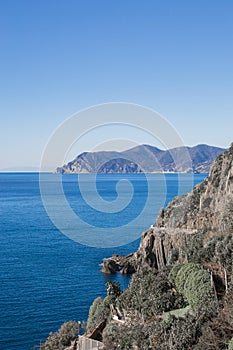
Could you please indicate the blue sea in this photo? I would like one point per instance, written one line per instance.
(45, 277)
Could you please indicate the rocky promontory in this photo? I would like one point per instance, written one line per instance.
(206, 211)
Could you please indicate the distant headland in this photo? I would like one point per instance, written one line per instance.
(144, 158)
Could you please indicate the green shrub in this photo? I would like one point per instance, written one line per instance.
(135, 335)
(182, 333)
(92, 313)
(183, 274)
(218, 249)
(194, 283)
(230, 345)
(199, 292)
(150, 293)
(173, 273)
(175, 334)
(194, 250)
(99, 311)
(60, 340)
(113, 341)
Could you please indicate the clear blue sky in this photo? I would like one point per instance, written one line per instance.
(58, 57)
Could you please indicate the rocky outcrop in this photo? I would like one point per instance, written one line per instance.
(117, 263)
(207, 210)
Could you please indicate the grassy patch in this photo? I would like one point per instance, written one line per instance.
(177, 313)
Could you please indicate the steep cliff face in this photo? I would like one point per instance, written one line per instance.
(209, 205)
(207, 210)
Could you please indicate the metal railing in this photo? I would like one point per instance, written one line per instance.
(89, 344)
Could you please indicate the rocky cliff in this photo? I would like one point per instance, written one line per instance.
(206, 211)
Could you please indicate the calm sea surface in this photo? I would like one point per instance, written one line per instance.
(46, 278)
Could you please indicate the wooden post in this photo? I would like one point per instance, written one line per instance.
(226, 282)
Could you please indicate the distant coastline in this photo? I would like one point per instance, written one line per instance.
(144, 159)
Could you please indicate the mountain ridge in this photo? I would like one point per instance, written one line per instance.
(144, 158)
